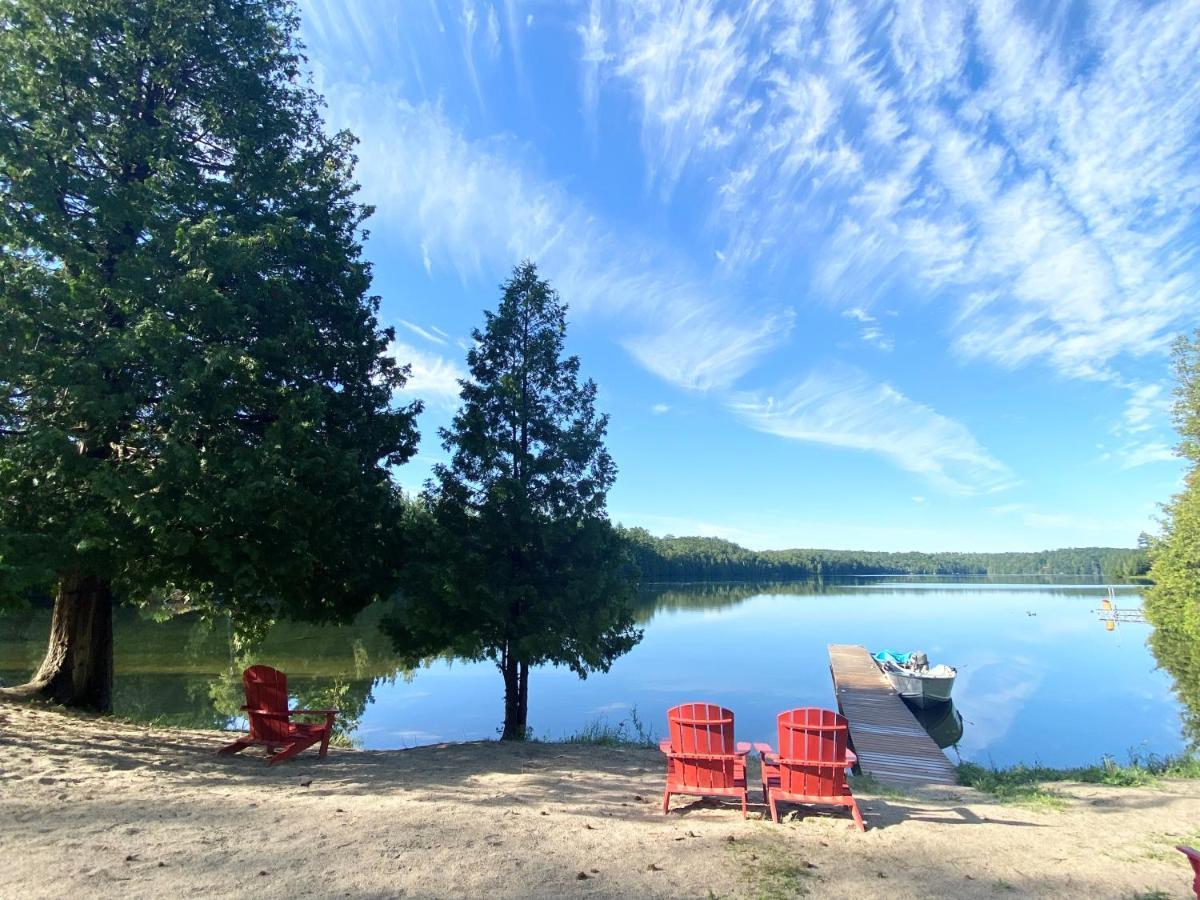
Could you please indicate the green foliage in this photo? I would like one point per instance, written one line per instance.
(520, 563)
(1025, 784)
(715, 559)
(631, 732)
(1173, 603)
(195, 394)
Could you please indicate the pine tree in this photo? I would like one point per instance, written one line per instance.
(522, 565)
(195, 394)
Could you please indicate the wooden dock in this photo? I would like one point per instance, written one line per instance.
(890, 743)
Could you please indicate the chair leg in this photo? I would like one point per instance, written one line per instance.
(328, 733)
(289, 751)
(666, 801)
(236, 747)
(858, 819)
(745, 798)
(774, 811)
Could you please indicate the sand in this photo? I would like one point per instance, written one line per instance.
(91, 807)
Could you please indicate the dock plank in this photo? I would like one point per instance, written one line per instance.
(890, 743)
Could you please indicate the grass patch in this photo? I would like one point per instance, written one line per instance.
(630, 732)
(1164, 844)
(1024, 784)
(774, 870)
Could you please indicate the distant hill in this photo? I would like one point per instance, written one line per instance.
(714, 559)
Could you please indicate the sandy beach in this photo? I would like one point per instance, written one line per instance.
(91, 807)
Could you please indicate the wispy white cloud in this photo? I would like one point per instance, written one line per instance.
(1142, 426)
(493, 32)
(479, 206)
(660, 409)
(704, 351)
(1136, 455)
(846, 409)
(1042, 175)
(1146, 403)
(685, 64)
(469, 20)
(592, 56)
(432, 377)
(870, 332)
(431, 336)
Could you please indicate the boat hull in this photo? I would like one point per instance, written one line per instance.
(920, 690)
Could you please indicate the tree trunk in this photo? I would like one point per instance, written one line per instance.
(523, 696)
(78, 666)
(514, 711)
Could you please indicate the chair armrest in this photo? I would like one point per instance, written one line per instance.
(273, 713)
(313, 712)
(664, 747)
(851, 759)
(742, 748)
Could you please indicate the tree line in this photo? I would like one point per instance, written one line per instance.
(714, 559)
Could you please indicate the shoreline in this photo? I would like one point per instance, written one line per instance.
(102, 807)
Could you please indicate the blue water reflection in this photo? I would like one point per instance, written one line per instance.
(1039, 677)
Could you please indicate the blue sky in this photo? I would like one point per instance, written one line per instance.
(890, 275)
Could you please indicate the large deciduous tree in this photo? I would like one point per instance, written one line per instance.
(195, 393)
(1173, 601)
(522, 565)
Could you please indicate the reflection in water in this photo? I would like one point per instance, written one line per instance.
(1179, 655)
(1030, 657)
(942, 721)
(185, 672)
(665, 598)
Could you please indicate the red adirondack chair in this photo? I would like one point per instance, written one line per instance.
(811, 764)
(702, 759)
(270, 719)
(1194, 858)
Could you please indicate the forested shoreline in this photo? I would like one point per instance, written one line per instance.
(673, 558)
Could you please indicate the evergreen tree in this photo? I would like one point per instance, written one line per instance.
(1173, 602)
(195, 394)
(522, 566)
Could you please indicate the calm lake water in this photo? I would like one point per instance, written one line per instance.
(1040, 678)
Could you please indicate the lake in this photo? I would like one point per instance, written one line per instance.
(1040, 677)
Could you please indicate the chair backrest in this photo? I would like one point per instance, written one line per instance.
(266, 689)
(812, 752)
(702, 735)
